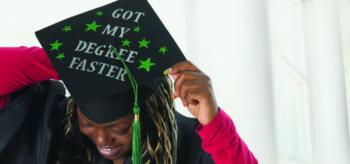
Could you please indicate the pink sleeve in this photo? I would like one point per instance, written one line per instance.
(221, 140)
(21, 66)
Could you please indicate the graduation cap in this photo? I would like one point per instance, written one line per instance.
(104, 55)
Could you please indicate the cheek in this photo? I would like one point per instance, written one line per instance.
(126, 142)
(125, 139)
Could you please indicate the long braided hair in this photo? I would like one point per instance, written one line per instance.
(159, 129)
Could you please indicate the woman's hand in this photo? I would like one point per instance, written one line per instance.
(194, 89)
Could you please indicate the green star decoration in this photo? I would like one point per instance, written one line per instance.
(146, 64)
(144, 43)
(56, 45)
(137, 29)
(92, 26)
(163, 50)
(99, 13)
(67, 29)
(60, 56)
(126, 43)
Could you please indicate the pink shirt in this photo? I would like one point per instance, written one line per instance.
(23, 66)
(221, 140)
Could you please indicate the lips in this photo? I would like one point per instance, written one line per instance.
(109, 151)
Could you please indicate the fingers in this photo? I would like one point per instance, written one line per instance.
(186, 88)
(189, 79)
(194, 89)
(186, 75)
(187, 82)
(194, 96)
(183, 66)
(184, 78)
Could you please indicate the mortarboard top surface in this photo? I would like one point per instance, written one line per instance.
(81, 50)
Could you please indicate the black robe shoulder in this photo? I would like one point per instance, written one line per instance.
(30, 122)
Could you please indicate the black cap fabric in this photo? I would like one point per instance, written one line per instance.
(81, 49)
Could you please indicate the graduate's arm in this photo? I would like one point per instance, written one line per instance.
(221, 140)
(22, 66)
(218, 134)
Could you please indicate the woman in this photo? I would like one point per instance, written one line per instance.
(63, 133)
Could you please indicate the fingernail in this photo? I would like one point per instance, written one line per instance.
(170, 70)
(166, 72)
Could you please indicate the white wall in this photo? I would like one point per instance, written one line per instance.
(310, 99)
(344, 13)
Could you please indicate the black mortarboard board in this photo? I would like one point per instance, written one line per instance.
(81, 49)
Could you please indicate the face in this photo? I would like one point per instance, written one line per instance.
(113, 139)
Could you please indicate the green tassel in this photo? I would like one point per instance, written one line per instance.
(136, 154)
(136, 137)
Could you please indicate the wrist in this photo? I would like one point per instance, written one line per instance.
(210, 117)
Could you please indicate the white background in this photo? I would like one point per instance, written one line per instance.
(279, 67)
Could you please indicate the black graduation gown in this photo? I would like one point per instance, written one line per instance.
(32, 128)
(29, 124)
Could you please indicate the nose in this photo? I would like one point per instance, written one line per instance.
(102, 138)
